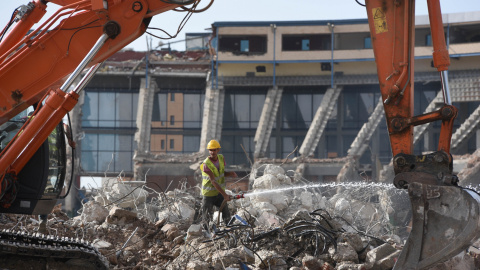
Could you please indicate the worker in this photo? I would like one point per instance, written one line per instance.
(213, 183)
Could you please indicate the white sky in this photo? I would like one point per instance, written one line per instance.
(255, 10)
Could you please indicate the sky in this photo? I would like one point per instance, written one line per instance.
(253, 10)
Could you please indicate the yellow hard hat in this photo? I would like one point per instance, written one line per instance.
(213, 144)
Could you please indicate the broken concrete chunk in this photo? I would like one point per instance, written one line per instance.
(171, 231)
(268, 220)
(380, 253)
(94, 211)
(345, 253)
(311, 263)
(266, 181)
(225, 258)
(198, 265)
(353, 239)
(387, 262)
(273, 170)
(266, 207)
(194, 231)
(119, 216)
(299, 215)
(284, 180)
(307, 200)
(268, 259)
(118, 191)
(101, 244)
(179, 211)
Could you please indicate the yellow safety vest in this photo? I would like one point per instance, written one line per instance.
(207, 187)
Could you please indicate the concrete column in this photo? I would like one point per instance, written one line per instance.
(266, 121)
(144, 116)
(319, 122)
(72, 204)
(212, 116)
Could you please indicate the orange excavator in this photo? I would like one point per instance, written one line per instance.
(40, 69)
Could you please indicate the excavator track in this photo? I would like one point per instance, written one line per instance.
(46, 246)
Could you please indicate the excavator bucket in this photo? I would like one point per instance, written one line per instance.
(445, 222)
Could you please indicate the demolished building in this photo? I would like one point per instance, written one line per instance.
(294, 105)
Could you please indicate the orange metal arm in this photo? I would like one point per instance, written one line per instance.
(37, 64)
(48, 57)
(441, 59)
(392, 28)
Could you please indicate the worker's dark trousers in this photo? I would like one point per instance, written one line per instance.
(207, 208)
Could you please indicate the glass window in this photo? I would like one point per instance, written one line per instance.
(232, 149)
(244, 45)
(123, 162)
(123, 143)
(106, 110)
(124, 111)
(299, 107)
(90, 142)
(331, 146)
(114, 109)
(172, 119)
(90, 107)
(89, 160)
(162, 143)
(160, 107)
(172, 97)
(193, 110)
(106, 142)
(191, 144)
(305, 112)
(252, 44)
(106, 161)
(367, 44)
(289, 143)
(242, 112)
(305, 44)
(172, 143)
(257, 102)
(428, 40)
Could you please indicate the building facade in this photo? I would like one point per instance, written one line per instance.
(303, 90)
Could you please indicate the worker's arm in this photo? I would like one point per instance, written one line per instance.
(217, 186)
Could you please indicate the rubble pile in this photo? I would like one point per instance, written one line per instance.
(282, 223)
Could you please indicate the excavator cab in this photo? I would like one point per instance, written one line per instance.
(40, 182)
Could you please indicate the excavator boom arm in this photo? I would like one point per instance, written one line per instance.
(438, 204)
(33, 66)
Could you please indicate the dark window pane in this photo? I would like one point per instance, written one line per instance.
(89, 161)
(242, 111)
(123, 142)
(193, 110)
(306, 42)
(106, 161)
(90, 106)
(191, 144)
(90, 142)
(107, 106)
(106, 142)
(243, 44)
(123, 162)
